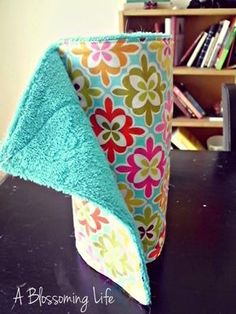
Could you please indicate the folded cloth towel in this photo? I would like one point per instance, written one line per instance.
(95, 123)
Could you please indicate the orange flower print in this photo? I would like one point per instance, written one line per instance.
(162, 197)
(89, 216)
(105, 57)
(154, 253)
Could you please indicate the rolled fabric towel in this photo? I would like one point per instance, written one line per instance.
(95, 123)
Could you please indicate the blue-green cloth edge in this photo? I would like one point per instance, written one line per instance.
(134, 37)
(9, 151)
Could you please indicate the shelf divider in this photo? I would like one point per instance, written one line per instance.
(183, 70)
(181, 12)
(206, 122)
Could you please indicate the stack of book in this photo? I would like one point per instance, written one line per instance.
(183, 139)
(186, 103)
(213, 47)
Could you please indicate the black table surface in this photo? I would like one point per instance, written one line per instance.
(196, 272)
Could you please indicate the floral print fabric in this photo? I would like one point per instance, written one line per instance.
(125, 89)
(110, 250)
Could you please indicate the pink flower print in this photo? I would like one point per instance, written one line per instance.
(102, 52)
(95, 258)
(165, 126)
(145, 167)
(94, 221)
(167, 48)
(105, 58)
(79, 235)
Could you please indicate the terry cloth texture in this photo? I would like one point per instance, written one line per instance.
(65, 113)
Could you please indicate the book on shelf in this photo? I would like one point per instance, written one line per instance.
(197, 50)
(183, 139)
(226, 46)
(189, 51)
(212, 46)
(209, 60)
(177, 31)
(175, 26)
(187, 99)
(200, 61)
(230, 54)
(182, 107)
(216, 119)
(209, 52)
(231, 60)
(168, 25)
(220, 39)
(193, 101)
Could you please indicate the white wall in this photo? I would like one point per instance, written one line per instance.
(27, 27)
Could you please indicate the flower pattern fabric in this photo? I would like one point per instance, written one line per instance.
(125, 88)
(115, 258)
(154, 253)
(82, 85)
(110, 251)
(105, 58)
(143, 90)
(114, 129)
(162, 197)
(166, 123)
(164, 50)
(91, 220)
(129, 198)
(145, 167)
(149, 226)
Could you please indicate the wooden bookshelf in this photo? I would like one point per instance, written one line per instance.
(203, 71)
(203, 83)
(206, 122)
(178, 12)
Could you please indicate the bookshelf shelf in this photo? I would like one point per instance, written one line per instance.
(183, 12)
(207, 122)
(203, 71)
(204, 84)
